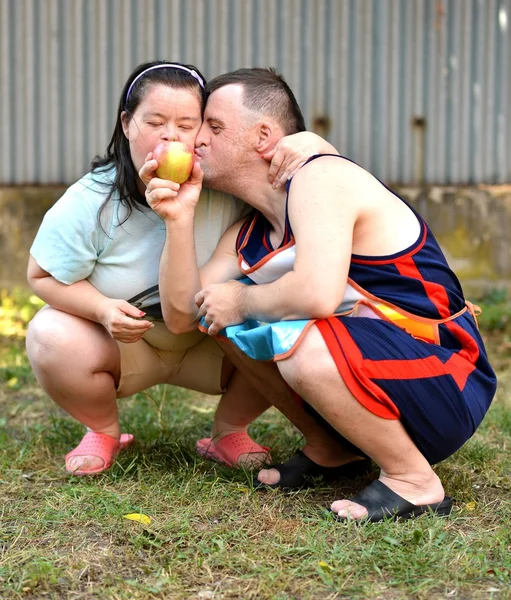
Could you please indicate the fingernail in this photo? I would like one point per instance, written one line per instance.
(141, 313)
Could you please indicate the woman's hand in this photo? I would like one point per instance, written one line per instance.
(291, 152)
(122, 320)
(168, 199)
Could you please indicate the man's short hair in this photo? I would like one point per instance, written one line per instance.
(265, 92)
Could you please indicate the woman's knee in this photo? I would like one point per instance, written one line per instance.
(54, 336)
(46, 334)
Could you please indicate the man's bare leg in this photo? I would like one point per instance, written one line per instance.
(320, 446)
(312, 373)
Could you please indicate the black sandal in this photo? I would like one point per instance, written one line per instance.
(299, 470)
(383, 504)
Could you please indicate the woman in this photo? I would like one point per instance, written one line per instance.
(95, 262)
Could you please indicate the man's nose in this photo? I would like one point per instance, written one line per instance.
(202, 138)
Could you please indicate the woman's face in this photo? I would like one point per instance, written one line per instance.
(164, 114)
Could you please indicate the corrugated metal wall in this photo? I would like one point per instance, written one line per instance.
(414, 90)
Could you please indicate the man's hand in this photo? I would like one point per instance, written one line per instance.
(168, 199)
(222, 304)
(291, 152)
(122, 320)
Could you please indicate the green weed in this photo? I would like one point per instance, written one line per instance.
(211, 535)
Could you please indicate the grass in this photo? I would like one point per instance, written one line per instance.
(211, 535)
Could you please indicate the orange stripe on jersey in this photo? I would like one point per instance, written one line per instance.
(435, 292)
(413, 368)
(243, 230)
(470, 349)
(462, 363)
(459, 369)
(266, 245)
(251, 225)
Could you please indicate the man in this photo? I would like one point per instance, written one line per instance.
(402, 372)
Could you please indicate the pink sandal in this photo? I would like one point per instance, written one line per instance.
(103, 446)
(229, 448)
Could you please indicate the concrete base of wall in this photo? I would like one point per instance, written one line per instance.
(21, 212)
(472, 224)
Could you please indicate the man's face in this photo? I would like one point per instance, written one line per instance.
(222, 145)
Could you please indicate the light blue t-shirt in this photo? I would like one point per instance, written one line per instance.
(120, 259)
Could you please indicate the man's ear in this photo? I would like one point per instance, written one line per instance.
(265, 137)
(125, 123)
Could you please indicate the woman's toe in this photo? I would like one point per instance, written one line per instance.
(252, 459)
(84, 463)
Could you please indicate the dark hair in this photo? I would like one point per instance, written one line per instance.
(118, 154)
(265, 92)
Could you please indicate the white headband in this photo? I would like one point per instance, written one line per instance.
(194, 74)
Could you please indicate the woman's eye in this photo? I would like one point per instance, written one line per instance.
(154, 124)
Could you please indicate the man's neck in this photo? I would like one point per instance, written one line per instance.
(270, 202)
(253, 187)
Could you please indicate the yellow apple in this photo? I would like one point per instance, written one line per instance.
(175, 161)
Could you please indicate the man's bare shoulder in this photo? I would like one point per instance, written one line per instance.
(383, 223)
(335, 177)
(334, 169)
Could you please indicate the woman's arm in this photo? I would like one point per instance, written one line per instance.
(180, 279)
(82, 299)
(291, 152)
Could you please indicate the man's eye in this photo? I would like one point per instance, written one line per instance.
(214, 128)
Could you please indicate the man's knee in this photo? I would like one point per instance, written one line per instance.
(311, 362)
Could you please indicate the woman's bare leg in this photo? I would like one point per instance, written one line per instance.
(273, 390)
(78, 364)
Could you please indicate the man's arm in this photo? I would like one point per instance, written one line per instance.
(322, 212)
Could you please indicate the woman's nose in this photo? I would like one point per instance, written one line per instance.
(169, 134)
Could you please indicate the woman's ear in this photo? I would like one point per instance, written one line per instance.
(125, 123)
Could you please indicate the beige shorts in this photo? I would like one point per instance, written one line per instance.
(191, 360)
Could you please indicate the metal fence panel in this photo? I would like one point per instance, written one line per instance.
(414, 90)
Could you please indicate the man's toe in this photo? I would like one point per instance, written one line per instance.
(345, 508)
(268, 476)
